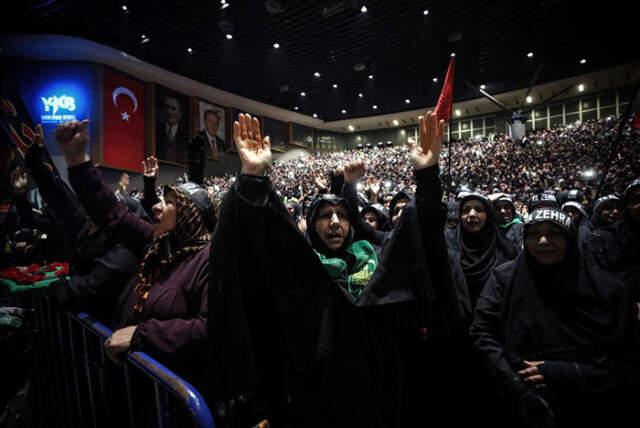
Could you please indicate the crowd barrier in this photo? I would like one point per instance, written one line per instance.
(75, 386)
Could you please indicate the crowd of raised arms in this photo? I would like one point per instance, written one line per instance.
(376, 287)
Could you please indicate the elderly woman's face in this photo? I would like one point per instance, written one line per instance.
(332, 225)
(165, 214)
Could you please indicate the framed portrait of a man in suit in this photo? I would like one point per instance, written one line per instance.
(172, 129)
(211, 127)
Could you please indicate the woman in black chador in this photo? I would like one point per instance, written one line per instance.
(560, 336)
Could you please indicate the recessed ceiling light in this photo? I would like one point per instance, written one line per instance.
(483, 87)
(351, 128)
(359, 67)
(229, 36)
(371, 76)
(315, 115)
(530, 55)
(189, 50)
(143, 37)
(425, 12)
(583, 61)
(343, 111)
(453, 54)
(375, 107)
(303, 94)
(276, 45)
(395, 122)
(145, 40)
(335, 86)
(363, 9)
(529, 99)
(224, 5)
(581, 87)
(458, 113)
(316, 74)
(435, 80)
(407, 101)
(360, 95)
(124, 7)
(295, 108)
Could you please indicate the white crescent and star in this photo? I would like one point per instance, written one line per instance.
(121, 90)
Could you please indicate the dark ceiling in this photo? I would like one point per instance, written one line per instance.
(398, 44)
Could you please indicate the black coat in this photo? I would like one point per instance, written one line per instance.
(290, 345)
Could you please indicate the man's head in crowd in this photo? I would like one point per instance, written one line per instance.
(172, 111)
(548, 234)
(212, 122)
(474, 212)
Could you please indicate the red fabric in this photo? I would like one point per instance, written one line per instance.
(445, 101)
(34, 273)
(123, 143)
(636, 121)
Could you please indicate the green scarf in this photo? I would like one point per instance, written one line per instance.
(365, 266)
(511, 223)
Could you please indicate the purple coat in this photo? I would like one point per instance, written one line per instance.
(173, 324)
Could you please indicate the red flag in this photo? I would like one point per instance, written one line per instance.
(123, 113)
(636, 121)
(445, 102)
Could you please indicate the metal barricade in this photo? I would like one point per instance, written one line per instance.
(75, 386)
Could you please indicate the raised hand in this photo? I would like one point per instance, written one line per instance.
(150, 167)
(72, 138)
(427, 151)
(18, 181)
(374, 185)
(254, 151)
(353, 171)
(320, 182)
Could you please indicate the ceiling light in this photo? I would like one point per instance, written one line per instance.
(276, 45)
(143, 37)
(360, 95)
(581, 87)
(335, 86)
(395, 122)
(530, 55)
(125, 8)
(425, 12)
(295, 108)
(189, 50)
(351, 128)
(224, 5)
(316, 74)
(343, 111)
(303, 94)
(453, 54)
(371, 76)
(375, 107)
(483, 87)
(529, 99)
(583, 61)
(363, 9)
(407, 101)
(435, 80)
(315, 115)
(458, 113)
(229, 36)
(145, 40)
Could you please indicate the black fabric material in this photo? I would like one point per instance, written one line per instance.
(285, 338)
(479, 253)
(578, 319)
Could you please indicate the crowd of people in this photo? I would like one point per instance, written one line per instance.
(369, 287)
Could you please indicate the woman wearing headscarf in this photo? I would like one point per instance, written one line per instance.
(326, 329)
(560, 336)
(163, 310)
(606, 211)
(477, 243)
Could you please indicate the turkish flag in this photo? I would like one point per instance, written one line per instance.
(123, 118)
(445, 101)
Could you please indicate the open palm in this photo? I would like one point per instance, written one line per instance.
(427, 152)
(254, 151)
